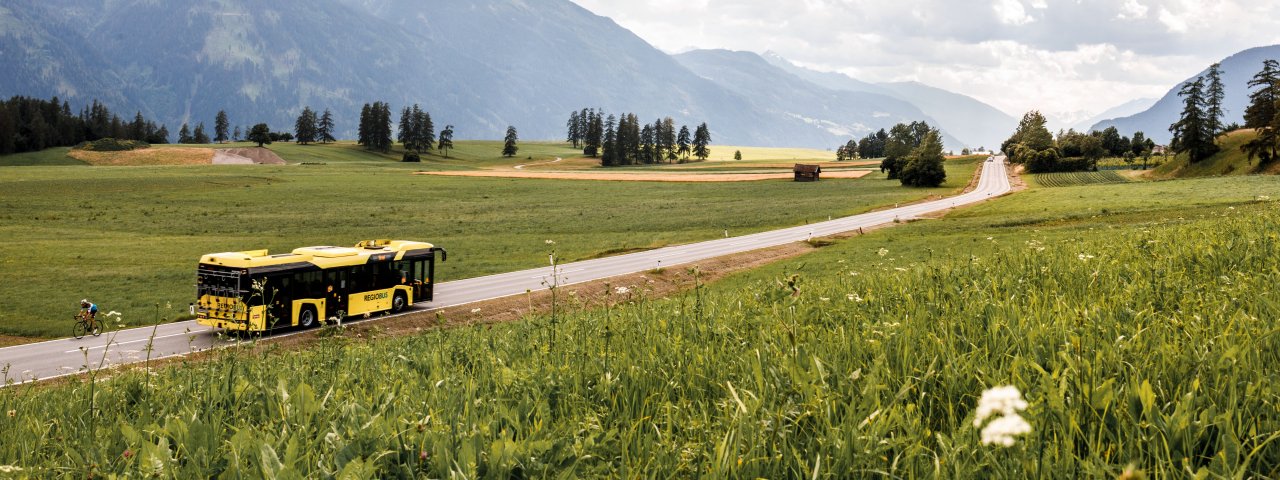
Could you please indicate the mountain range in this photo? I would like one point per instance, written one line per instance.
(1237, 70)
(479, 65)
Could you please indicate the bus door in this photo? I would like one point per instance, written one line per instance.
(335, 292)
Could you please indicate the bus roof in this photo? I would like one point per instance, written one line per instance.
(324, 257)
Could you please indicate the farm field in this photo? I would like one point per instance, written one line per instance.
(128, 237)
(1107, 306)
(1072, 179)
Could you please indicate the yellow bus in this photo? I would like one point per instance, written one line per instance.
(255, 291)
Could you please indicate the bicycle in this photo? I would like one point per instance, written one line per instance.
(82, 326)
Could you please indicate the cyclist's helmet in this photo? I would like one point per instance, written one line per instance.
(84, 303)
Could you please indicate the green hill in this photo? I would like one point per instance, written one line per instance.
(1229, 161)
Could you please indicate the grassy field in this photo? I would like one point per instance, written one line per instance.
(1137, 320)
(1072, 179)
(1230, 160)
(46, 157)
(128, 237)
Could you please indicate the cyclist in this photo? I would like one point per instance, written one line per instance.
(91, 311)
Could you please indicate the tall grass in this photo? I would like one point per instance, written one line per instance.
(1146, 346)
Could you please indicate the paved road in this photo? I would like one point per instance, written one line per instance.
(68, 356)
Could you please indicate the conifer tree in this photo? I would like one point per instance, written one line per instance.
(366, 122)
(609, 145)
(1193, 132)
(509, 147)
(199, 136)
(220, 126)
(683, 142)
(574, 135)
(1213, 96)
(305, 127)
(702, 142)
(446, 140)
(324, 131)
(1263, 114)
(184, 134)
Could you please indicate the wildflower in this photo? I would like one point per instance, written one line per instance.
(13, 413)
(551, 242)
(882, 252)
(128, 453)
(1005, 400)
(622, 290)
(423, 456)
(10, 469)
(1084, 257)
(1264, 198)
(1004, 403)
(853, 297)
(1002, 431)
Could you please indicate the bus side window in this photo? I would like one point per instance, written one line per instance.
(420, 270)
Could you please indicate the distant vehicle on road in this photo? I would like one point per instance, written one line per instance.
(255, 291)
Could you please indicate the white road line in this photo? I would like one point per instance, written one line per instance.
(148, 339)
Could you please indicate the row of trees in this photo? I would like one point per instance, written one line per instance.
(310, 128)
(625, 141)
(32, 124)
(416, 129)
(1034, 146)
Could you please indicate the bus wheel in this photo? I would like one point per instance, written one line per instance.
(307, 317)
(398, 302)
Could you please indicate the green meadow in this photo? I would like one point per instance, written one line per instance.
(1137, 320)
(128, 238)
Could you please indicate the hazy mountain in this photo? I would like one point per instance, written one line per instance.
(971, 121)
(542, 60)
(840, 114)
(975, 123)
(480, 65)
(1236, 72)
(1123, 110)
(44, 55)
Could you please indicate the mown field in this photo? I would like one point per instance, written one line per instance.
(128, 237)
(1137, 320)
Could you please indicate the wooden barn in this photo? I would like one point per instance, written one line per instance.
(807, 173)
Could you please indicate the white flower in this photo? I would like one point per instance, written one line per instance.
(1002, 431)
(853, 297)
(882, 252)
(1264, 198)
(1006, 400)
(551, 242)
(622, 290)
(1084, 257)
(1004, 403)
(10, 468)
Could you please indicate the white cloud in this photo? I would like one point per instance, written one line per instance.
(1132, 9)
(1011, 12)
(1052, 55)
(1174, 23)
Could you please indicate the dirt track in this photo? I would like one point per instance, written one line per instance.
(644, 177)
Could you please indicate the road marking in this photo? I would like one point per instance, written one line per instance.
(131, 341)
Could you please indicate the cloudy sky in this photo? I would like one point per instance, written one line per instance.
(1068, 58)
